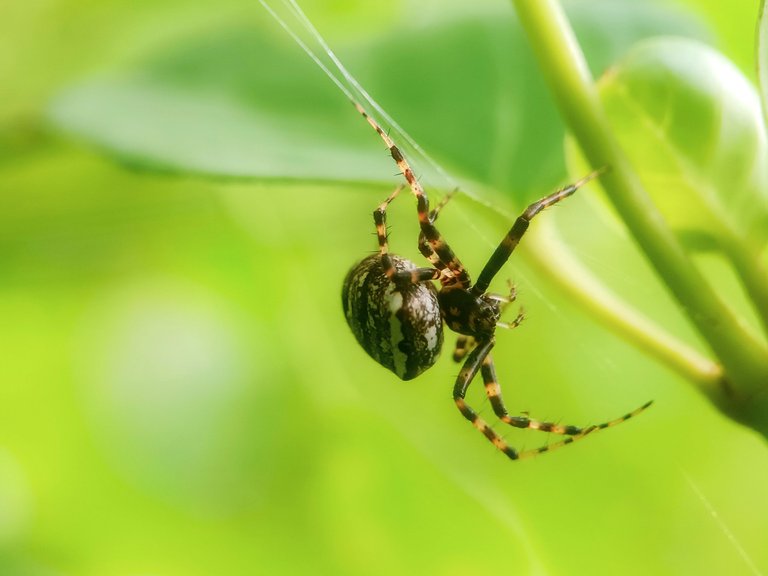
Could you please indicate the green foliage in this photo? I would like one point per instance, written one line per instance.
(180, 394)
(743, 357)
(692, 123)
(260, 117)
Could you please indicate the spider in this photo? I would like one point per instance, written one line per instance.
(396, 313)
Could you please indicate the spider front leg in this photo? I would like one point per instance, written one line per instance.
(515, 234)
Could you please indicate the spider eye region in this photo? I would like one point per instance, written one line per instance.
(467, 314)
(398, 324)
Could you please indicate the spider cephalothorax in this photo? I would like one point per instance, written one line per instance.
(396, 313)
(469, 314)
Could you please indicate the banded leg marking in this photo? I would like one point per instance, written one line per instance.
(380, 219)
(493, 391)
(423, 243)
(478, 359)
(515, 234)
(464, 345)
(468, 372)
(515, 323)
(433, 237)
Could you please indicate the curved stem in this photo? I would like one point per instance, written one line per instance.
(744, 358)
(751, 271)
(552, 257)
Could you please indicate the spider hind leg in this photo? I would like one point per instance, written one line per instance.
(479, 359)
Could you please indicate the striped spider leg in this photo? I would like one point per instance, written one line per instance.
(396, 313)
(478, 339)
(445, 259)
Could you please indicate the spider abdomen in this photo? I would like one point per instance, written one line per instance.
(397, 323)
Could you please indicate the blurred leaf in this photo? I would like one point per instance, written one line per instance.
(242, 103)
(158, 356)
(193, 132)
(14, 499)
(692, 127)
(305, 458)
(733, 28)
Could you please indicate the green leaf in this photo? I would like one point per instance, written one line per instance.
(691, 124)
(734, 28)
(192, 131)
(240, 102)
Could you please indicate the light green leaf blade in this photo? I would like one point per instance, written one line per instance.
(172, 129)
(244, 102)
(691, 124)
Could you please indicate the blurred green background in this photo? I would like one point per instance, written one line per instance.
(182, 193)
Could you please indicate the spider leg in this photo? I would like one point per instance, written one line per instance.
(468, 372)
(436, 242)
(513, 237)
(475, 360)
(429, 254)
(423, 243)
(440, 205)
(505, 302)
(515, 323)
(512, 295)
(380, 219)
(493, 391)
(464, 345)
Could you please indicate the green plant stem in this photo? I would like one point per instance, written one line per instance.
(751, 271)
(552, 257)
(761, 58)
(744, 358)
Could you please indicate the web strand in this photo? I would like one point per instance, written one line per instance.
(316, 47)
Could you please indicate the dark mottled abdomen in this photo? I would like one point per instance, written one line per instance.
(398, 325)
